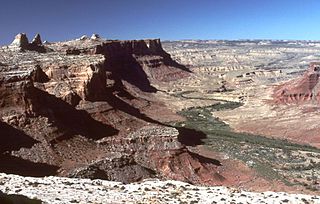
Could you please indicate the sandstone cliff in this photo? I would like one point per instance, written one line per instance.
(303, 89)
(77, 109)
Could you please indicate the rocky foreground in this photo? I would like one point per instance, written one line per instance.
(76, 109)
(92, 108)
(66, 190)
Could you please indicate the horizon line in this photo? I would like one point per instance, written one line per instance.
(187, 39)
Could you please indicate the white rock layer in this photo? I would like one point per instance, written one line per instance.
(57, 190)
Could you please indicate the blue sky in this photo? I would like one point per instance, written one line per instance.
(168, 20)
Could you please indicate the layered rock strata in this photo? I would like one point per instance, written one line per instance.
(303, 89)
(151, 151)
(81, 105)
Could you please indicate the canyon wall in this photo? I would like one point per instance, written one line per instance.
(302, 89)
(78, 109)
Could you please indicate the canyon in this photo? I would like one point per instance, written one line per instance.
(77, 108)
(265, 110)
(240, 114)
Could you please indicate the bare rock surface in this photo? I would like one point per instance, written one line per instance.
(57, 190)
(82, 102)
(36, 40)
(304, 89)
(96, 108)
(21, 40)
(277, 102)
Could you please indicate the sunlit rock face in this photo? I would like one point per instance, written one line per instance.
(80, 106)
(21, 43)
(20, 40)
(303, 89)
(55, 190)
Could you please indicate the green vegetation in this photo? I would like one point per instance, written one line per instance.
(270, 157)
(200, 118)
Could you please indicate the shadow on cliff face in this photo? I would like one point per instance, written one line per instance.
(14, 165)
(121, 105)
(17, 199)
(125, 170)
(205, 160)
(128, 69)
(190, 137)
(168, 61)
(13, 139)
(187, 136)
(66, 117)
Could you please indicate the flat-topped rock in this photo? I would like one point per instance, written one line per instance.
(83, 101)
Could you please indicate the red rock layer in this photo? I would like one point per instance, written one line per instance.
(300, 90)
(77, 109)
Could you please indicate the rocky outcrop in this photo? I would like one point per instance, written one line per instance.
(36, 40)
(80, 107)
(303, 89)
(152, 151)
(21, 42)
(55, 190)
(95, 36)
(144, 60)
(138, 62)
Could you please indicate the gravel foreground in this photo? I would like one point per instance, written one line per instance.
(54, 190)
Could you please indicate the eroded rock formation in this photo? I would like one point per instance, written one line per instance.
(303, 89)
(36, 40)
(81, 104)
(21, 42)
(152, 151)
